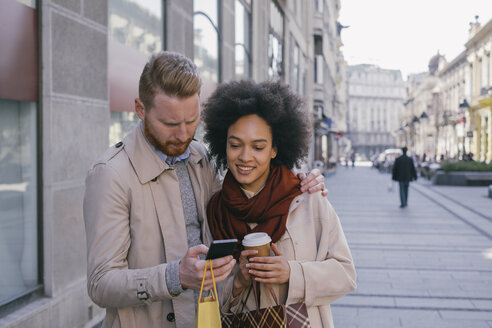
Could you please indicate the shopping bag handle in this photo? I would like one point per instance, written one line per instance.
(213, 281)
(253, 286)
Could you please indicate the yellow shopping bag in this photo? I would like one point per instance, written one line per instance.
(208, 311)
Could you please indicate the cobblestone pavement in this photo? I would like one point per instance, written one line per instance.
(427, 265)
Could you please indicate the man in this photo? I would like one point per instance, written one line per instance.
(404, 172)
(144, 207)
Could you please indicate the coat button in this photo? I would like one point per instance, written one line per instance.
(170, 317)
(119, 144)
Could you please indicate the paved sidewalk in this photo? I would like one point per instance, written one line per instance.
(427, 265)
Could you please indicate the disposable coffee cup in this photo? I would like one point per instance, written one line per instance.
(259, 241)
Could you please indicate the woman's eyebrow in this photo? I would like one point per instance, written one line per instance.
(256, 140)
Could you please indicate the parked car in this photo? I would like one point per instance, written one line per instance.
(428, 169)
(378, 160)
(386, 159)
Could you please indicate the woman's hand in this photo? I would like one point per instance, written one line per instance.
(242, 278)
(272, 269)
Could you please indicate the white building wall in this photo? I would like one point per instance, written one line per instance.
(375, 98)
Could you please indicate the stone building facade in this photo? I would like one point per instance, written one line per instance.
(448, 112)
(421, 123)
(479, 90)
(375, 103)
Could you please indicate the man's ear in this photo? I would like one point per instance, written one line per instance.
(139, 109)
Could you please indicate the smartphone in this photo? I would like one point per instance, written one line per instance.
(221, 248)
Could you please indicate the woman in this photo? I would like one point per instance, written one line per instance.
(259, 132)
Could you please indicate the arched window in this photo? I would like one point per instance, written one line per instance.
(275, 41)
(243, 38)
(206, 39)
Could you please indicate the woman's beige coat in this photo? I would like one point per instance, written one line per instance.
(321, 265)
(135, 226)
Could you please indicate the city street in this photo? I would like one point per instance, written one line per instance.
(427, 265)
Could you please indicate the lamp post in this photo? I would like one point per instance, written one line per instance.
(464, 106)
(413, 131)
(424, 118)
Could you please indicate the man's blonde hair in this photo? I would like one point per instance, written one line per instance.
(171, 73)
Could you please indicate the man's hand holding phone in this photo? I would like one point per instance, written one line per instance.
(221, 248)
(191, 266)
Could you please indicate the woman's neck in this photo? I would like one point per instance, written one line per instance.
(249, 193)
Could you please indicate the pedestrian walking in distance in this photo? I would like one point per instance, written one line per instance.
(404, 172)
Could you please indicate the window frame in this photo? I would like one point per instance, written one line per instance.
(247, 49)
(37, 291)
(272, 33)
(122, 94)
(217, 30)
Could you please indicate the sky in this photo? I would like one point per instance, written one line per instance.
(405, 34)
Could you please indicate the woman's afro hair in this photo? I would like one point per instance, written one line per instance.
(274, 102)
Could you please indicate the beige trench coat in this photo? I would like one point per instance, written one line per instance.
(321, 265)
(135, 225)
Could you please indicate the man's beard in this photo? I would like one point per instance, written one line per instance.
(166, 147)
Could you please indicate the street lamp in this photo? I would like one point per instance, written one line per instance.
(413, 131)
(424, 120)
(464, 106)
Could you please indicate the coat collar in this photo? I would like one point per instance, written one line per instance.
(296, 202)
(145, 161)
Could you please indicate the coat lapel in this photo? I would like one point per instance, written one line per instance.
(197, 181)
(162, 179)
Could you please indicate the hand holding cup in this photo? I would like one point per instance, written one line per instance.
(270, 269)
(255, 244)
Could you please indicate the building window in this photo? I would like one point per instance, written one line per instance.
(318, 5)
(318, 69)
(295, 69)
(20, 231)
(206, 39)
(29, 3)
(303, 77)
(243, 39)
(469, 82)
(137, 24)
(485, 65)
(133, 25)
(275, 41)
(121, 124)
(18, 199)
(318, 60)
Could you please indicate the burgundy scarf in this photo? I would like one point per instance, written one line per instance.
(229, 210)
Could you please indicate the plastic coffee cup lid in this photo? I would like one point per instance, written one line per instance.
(256, 239)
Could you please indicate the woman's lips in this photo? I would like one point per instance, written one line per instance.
(244, 169)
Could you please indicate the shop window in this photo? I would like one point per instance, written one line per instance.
(275, 41)
(18, 199)
(206, 39)
(295, 71)
(137, 24)
(136, 30)
(243, 39)
(29, 3)
(121, 124)
(20, 230)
